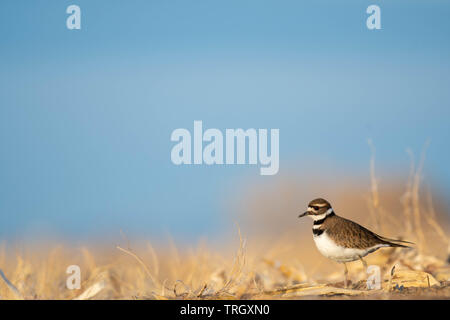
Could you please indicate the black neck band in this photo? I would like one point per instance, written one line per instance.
(317, 222)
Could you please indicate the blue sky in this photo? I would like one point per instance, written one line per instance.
(86, 115)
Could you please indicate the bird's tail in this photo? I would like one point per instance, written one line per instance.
(396, 243)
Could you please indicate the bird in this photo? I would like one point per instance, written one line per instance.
(343, 240)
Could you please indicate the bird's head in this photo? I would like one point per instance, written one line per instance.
(318, 209)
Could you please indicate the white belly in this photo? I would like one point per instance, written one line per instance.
(329, 249)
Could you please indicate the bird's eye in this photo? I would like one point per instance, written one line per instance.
(316, 208)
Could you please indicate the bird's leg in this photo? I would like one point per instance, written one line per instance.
(363, 262)
(345, 275)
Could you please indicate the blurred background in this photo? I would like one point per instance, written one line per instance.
(86, 115)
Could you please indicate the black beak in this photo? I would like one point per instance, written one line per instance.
(303, 214)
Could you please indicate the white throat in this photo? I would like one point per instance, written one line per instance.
(321, 216)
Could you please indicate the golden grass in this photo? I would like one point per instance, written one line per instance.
(260, 269)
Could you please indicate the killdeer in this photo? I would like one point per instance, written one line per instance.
(343, 240)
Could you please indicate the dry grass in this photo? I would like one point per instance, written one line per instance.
(264, 270)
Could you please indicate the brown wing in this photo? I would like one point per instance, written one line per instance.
(349, 234)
